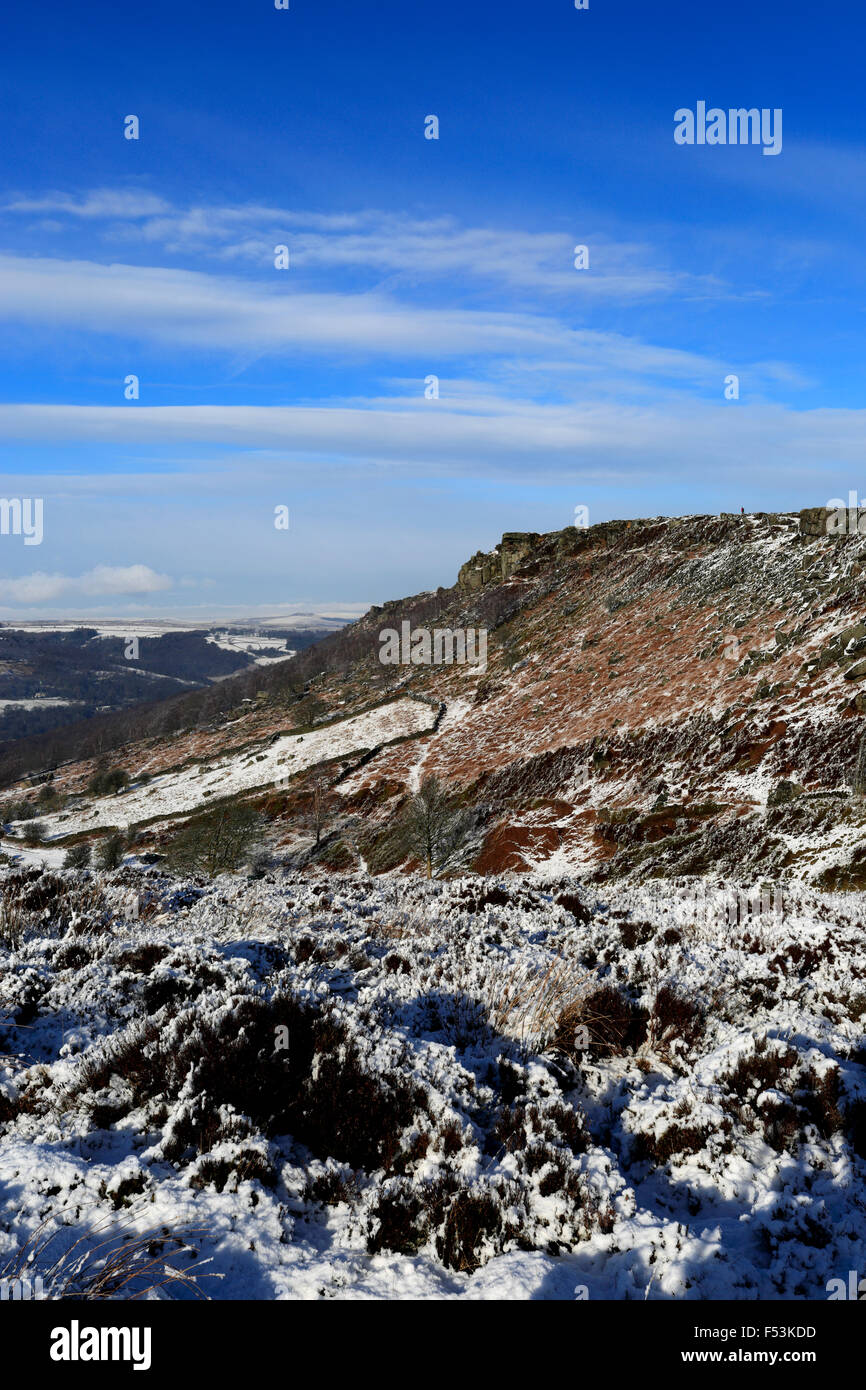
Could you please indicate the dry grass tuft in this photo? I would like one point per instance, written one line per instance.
(120, 1266)
(526, 1002)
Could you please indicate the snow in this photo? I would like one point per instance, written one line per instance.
(42, 702)
(415, 974)
(259, 765)
(264, 650)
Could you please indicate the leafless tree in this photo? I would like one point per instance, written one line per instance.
(434, 824)
(218, 841)
(308, 710)
(320, 805)
(859, 783)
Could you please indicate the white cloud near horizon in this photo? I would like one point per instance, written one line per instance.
(39, 587)
(100, 203)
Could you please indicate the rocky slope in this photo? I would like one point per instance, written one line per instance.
(661, 697)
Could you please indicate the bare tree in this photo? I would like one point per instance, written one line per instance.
(218, 841)
(859, 782)
(320, 805)
(434, 824)
(308, 710)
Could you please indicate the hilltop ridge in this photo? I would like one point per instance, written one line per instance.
(662, 696)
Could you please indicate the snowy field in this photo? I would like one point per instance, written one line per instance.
(263, 650)
(42, 702)
(176, 793)
(382, 1088)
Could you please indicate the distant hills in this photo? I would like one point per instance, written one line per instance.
(55, 675)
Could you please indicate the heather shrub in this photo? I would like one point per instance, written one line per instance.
(77, 856)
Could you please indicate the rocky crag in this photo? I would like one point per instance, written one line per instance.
(662, 697)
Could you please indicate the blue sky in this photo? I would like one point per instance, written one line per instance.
(411, 257)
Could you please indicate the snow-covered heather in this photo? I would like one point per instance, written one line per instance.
(174, 793)
(383, 1088)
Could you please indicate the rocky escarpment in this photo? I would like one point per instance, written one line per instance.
(665, 696)
(518, 551)
(660, 697)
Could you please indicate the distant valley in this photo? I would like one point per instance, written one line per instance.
(54, 674)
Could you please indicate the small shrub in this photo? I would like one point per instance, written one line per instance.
(763, 1070)
(573, 904)
(77, 856)
(141, 959)
(516, 1128)
(395, 962)
(48, 798)
(106, 781)
(451, 1138)
(247, 1164)
(110, 852)
(782, 1125)
(472, 1219)
(674, 1017)
(677, 1139)
(613, 1021)
(635, 933)
(819, 1097)
(331, 1188)
(401, 1221)
(72, 955)
(19, 810)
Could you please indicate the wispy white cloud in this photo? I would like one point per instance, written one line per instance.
(100, 203)
(601, 440)
(101, 580)
(415, 251)
(389, 244)
(227, 314)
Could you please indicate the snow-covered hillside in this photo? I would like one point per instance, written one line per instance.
(668, 697)
(260, 765)
(482, 1089)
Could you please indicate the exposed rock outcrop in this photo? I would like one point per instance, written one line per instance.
(520, 550)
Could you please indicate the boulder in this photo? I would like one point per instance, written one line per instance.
(783, 792)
